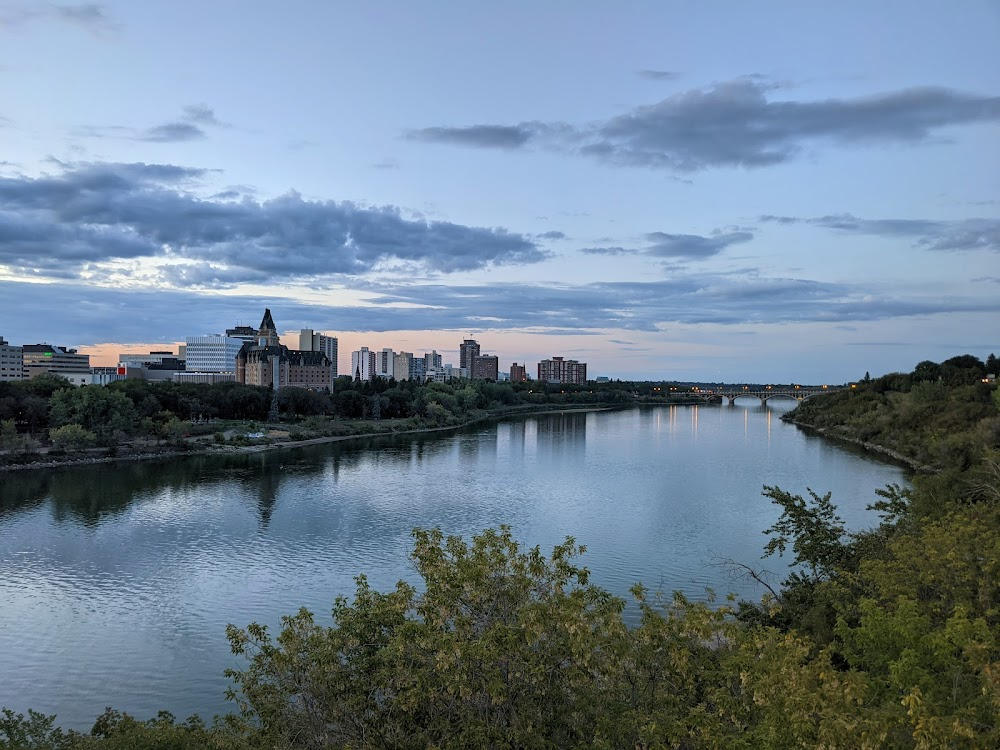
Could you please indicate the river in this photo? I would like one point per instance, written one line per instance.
(117, 581)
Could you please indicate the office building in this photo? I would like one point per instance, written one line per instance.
(485, 367)
(310, 341)
(418, 369)
(11, 361)
(245, 334)
(517, 373)
(128, 359)
(562, 371)
(212, 353)
(40, 358)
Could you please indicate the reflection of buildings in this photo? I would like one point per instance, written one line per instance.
(270, 363)
(562, 371)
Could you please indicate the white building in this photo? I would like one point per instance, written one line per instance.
(363, 363)
(385, 363)
(213, 353)
(11, 361)
(310, 341)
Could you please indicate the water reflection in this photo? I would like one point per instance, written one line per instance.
(125, 576)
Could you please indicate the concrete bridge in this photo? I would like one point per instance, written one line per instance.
(796, 393)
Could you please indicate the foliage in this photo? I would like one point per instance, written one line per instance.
(72, 437)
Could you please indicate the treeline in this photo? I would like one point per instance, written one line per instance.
(888, 638)
(48, 409)
(939, 415)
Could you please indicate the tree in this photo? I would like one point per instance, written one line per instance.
(813, 528)
(500, 649)
(72, 437)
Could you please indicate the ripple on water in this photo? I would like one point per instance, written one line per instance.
(116, 587)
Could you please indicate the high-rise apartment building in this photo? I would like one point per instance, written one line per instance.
(418, 369)
(485, 367)
(432, 361)
(385, 363)
(310, 341)
(466, 351)
(11, 361)
(559, 370)
(517, 373)
(401, 365)
(363, 364)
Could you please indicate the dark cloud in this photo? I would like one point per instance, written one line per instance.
(173, 132)
(988, 279)
(100, 212)
(78, 314)
(481, 136)
(738, 123)
(692, 246)
(927, 234)
(552, 235)
(658, 75)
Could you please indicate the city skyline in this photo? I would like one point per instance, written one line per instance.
(781, 193)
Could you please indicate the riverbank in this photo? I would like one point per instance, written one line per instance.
(868, 446)
(140, 450)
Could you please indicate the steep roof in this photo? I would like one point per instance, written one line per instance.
(267, 324)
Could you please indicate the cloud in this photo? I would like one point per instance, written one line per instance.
(608, 251)
(386, 164)
(172, 132)
(88, 16)
(552, 235)
(737, 123)
(692, 246)
(658, 75)
(98, 212)
(78, 314)
(189, 127)
(479, 136)
(928, 234)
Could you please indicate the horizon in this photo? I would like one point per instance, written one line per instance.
(706, 193)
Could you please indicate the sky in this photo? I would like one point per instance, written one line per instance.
(715, 191)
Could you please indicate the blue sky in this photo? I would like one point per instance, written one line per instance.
(716, 191)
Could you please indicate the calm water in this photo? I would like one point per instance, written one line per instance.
(116, 584)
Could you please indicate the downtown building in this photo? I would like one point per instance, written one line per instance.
(270, 363)
(363, 364)
(562, 371)
(485, 367)
(518, 373)
(467, 351)
(67, 363)
(310, 341)
(11, 361)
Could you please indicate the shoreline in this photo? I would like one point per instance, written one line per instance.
(206, 448)
(873, 447)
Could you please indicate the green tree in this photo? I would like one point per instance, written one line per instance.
(72, 437)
